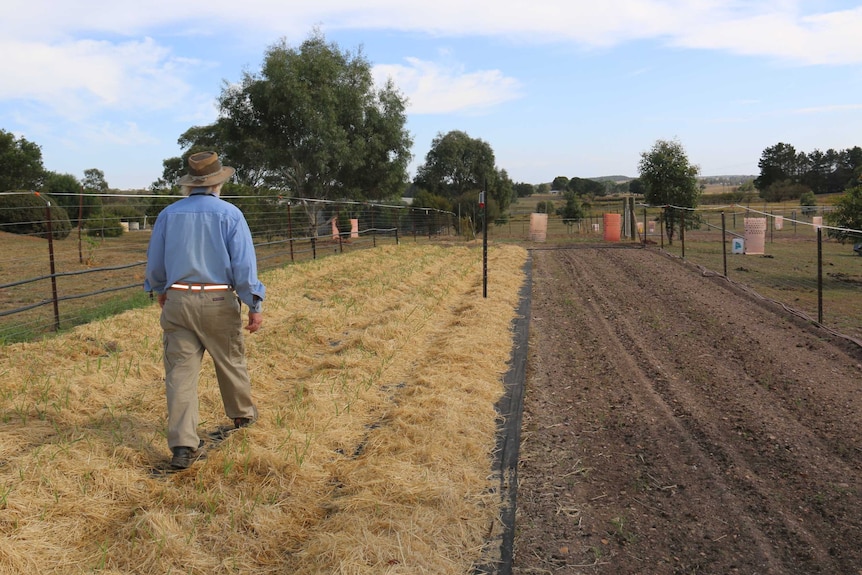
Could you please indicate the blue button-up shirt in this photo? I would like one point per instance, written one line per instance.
(202, 239)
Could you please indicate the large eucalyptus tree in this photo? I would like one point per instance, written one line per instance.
(312, 123)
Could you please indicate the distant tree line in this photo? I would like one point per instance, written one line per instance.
(786, 174)
(73, 202)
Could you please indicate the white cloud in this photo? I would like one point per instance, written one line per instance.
(432, 88)
(772, 28)
(821, 39)
(118, 134)
(101, 53)
(114, 71)
(830, 109)
(76, 77)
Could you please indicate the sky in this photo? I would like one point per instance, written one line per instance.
(568, 88)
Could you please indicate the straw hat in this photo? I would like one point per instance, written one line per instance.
(205, 170)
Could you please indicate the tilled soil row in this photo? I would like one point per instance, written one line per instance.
(673, 424)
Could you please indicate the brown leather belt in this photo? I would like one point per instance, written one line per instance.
(201, 287)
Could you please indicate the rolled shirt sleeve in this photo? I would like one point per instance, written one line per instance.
(244, 267)
(156, 275)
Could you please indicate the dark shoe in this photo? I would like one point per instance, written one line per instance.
(183, 457)
(240, 422)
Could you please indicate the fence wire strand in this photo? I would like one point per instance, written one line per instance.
(98, 260)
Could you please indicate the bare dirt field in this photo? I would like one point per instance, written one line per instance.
(674, 425)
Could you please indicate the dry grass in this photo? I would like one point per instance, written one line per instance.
(376, 374)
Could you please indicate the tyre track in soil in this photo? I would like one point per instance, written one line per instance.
(674, 426)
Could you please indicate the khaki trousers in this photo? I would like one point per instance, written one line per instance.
(194, 322)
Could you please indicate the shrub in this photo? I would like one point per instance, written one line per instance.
(784, 190)
(808, 201)
(24, 213)
(847, 215)
(546, 207)
(104, 226)
(127, 213)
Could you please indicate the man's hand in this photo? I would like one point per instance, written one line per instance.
(255, 320)
(163, 297)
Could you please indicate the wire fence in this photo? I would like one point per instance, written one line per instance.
(96, 269)
(55, 277)
(781, 253)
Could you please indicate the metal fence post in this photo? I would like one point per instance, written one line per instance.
(661, 217)
(374, 230)
(724, 243)
(819, 275)
(54, 296)
(644, 238)
(682, 231)
(290, 230)
(80, 224)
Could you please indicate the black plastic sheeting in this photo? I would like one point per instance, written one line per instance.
(510, 410)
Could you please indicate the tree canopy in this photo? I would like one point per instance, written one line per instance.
(669, 178)
(455, 164)
(780, 162)
(636, 187)
(311, 123)
(560, 183)
(785, 170)
(66, 189)
(20, 163)
(94, 181)
(458, 167)
(21, 169)
(523, 189)
(572, 211)
(847, 214)
(586, 187)
(27, 212)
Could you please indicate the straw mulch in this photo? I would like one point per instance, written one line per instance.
(376, 375)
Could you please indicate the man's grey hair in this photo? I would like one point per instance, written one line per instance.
(214, 190)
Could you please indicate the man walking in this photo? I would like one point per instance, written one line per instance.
(201, 262)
